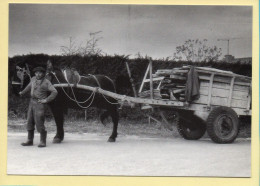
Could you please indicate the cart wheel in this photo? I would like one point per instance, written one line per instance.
(193, 129)
(223, 125)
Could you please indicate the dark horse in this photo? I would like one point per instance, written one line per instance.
(70, 97)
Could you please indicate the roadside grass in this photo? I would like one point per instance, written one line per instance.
(132, 122)
(140, 128)
(94, 126)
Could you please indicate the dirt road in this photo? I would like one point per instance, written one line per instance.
(90, 154)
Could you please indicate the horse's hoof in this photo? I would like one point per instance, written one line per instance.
(111, 140)
(56, 140)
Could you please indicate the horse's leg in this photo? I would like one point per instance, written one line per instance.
(114, 115)
(59, 120)
(103, 116)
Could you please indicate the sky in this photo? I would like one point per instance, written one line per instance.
(150, 30)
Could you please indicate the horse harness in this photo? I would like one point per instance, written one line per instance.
(21, 72)
(76, 74)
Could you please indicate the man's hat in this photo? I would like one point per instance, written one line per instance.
(41, 69)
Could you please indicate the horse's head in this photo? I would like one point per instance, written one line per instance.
(55, 76)
(22, 74)
(20, 78)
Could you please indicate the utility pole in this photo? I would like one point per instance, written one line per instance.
(227, 39)
(227, 44)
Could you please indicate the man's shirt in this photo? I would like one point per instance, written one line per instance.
(40, 89)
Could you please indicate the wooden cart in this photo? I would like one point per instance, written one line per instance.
(224, 98)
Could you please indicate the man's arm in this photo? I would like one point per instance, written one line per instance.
(53, 91)
(27, 89)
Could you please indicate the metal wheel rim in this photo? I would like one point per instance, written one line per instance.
(224, 126)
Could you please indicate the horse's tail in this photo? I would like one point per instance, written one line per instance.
(103, 116)
(113, 102)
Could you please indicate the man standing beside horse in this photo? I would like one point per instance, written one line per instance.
(42, 92)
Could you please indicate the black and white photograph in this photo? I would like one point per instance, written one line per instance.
(129, 90)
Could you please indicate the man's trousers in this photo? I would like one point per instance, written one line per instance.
(36, 116)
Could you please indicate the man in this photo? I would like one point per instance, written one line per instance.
(42, 92)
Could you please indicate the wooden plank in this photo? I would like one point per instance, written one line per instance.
(178, 77)
(151, 78)
(231, 91)
(219, 101)
(126, 98)
(131, 79)
(174, 70)
(167, 72)
(217, 92)
(202, 108)
(178, 91)
(225, 80)
(159, 85)
(216, 78)
(221, 72)
(215, 85)
(210, 89)
(146, 94)
(180, 86)
(239, 103)
(241, 88)
(225, 86)
(214, 70)
(145, 76)
(154, 79)
(249, 98)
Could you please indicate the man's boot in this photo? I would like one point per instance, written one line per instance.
(29, 141)
(43, 136)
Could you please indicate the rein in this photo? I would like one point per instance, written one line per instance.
(74, 96)
(75, 99)
(101, 87)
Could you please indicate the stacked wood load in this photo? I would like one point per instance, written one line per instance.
(216, 87)
(174, 83)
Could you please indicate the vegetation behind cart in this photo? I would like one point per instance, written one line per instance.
(114, 67)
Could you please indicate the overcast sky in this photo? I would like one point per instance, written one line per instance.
(128, 29)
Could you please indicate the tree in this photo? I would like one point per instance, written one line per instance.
(70, 50)
(197, 51)
(90, 48)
